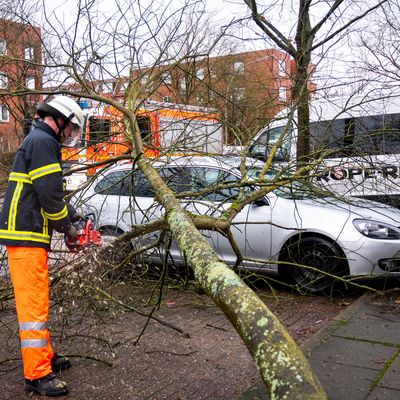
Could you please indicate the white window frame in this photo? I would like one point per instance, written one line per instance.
(238, 67)
(167, 99)
(3, 81)
(108, 87)
(166, 78)
(98, 87)
(213, 72)
(282, 93)
(282, 67)
(4, 113)
(201, 97)
(123, 87)
(30, 82)
(29, 53)
(3, 47)
(144, 79)
(239, 93)
(182, 83)
(200, 74)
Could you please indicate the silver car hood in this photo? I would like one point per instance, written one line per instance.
(341, 211)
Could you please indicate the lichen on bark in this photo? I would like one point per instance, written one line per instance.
(283, 367)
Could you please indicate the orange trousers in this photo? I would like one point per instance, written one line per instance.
(29, 276)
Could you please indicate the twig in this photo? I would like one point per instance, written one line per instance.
(217, 327)
(172, 353)
(169, 325)
(108, 363)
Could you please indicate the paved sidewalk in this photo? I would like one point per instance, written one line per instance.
(356, 356)
(204, 360)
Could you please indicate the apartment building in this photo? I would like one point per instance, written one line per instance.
(247, 89)
(20, 69)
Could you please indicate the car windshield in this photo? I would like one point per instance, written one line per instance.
(300, 190)
(297, 190)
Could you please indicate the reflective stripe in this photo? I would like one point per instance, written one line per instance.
(21, 235)
(33, 343)
(12, 216)
(32, 326)
(60, 215)
(20, 177)
(45, 222)
(45, 170)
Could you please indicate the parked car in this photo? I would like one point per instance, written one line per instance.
(289, 231)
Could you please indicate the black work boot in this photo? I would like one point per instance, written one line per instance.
(49, 385)
(59, 362)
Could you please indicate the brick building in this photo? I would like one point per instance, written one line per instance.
(248, 88)
(20, 69)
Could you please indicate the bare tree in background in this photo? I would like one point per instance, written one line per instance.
(379, 60)
(311, 33)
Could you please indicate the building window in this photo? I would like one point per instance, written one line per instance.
(98, 87)
(238, 67)
(282, 93)
(144, 79)
(3, 81)
(30, 83)
(29, 53)
(124, 86)
(167, 99)
(282, 67)
(213, 72)
(166, 78)
(3, 47)
(183, 83)
(201, 98)
(239, 93)
(108, 87)
(200, 73)
(4, 114)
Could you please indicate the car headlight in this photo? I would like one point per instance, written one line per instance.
(376, 230)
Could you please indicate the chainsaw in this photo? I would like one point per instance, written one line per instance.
(86, 236)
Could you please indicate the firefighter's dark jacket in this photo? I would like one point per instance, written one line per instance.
(34, 201)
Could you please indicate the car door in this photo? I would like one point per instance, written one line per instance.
(178, 180)
(251, 229)
(123, 198)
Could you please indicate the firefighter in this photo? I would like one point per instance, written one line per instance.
(33, 206)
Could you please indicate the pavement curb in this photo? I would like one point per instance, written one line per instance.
(310, 344)
(258, 391)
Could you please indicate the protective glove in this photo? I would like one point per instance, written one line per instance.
(72, 232)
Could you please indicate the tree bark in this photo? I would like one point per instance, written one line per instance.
(283, 367)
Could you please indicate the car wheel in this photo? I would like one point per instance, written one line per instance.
(313, 255)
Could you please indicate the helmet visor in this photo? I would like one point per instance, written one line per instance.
(74, 135)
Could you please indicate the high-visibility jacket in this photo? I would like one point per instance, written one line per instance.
(34, 201)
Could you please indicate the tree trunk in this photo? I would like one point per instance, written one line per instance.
(283, 367)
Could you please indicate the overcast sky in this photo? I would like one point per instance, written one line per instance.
(338, 60)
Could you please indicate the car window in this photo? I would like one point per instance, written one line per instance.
(204, 178)
(125, 183)
(113, 184)
(177, 178)
(141, 185)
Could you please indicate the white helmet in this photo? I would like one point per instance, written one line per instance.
(64, 107)
(69, 111)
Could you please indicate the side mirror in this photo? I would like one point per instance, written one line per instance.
(261, 202)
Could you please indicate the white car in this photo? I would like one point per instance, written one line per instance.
(288, 231)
